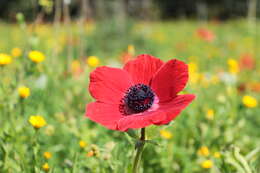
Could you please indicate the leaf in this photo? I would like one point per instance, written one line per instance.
(152, 142)
(242, 160)
(250, 155)
(132, 133)
(229, 159)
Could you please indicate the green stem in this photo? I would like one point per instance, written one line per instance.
(22, 106)
(35, 151)
(139, 147)
(75, 163)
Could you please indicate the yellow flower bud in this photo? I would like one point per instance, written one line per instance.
(207, 164)
(24, 92)
(16, 52)
(93, 61)
(5, 59)
(46, 167)
(203, 151)
(36, 56)
(166, 134)
(210, 114)
(47, 155)
(233, 66)
(37, 121)
(249, 101)
(82, 144)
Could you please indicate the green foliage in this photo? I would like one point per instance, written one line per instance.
(59, 92)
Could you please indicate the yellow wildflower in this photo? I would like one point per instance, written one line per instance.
(16, 52)
(131, 49)
(24, 92)
(92, 61)
(210, 114)
(37, 121)
(5, 59)
(203, 151)
(207, 164)
(249, 101)
(36, 56)
(194, 75)
(46, 167)
(233, 66)
(192, 67)
(216, 155)
(47, 155)
(82, 144)
(166, 134)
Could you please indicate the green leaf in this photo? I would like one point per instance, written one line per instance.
(152, 142)
(132, 133)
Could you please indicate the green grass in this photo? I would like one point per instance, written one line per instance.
(61, 96)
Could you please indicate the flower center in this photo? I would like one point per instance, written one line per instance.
(138, 99)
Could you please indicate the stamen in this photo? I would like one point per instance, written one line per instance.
(138, 98)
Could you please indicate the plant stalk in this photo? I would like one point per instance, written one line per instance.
(139, 149)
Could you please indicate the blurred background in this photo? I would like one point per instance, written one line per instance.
(49, 47)
(47, 10)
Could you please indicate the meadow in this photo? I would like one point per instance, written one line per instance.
(44, 75)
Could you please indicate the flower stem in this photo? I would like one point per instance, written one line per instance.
(139, 149)
(35, 151)
(22, 107)
(75, 163)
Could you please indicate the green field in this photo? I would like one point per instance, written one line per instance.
(218, 133)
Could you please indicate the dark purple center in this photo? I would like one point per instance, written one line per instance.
(138, 98)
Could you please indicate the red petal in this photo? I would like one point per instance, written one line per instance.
(109, 85)
(104, 114)
(140, 120)
(173, 108)
(170, 79)
(143, 68)
(163, 115)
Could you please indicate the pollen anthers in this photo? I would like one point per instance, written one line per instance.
(138, 98)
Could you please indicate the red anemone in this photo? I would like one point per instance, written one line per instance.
(143, 93)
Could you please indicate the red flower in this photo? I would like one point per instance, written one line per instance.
(246, 61)
(143, 93)
(206, 34)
